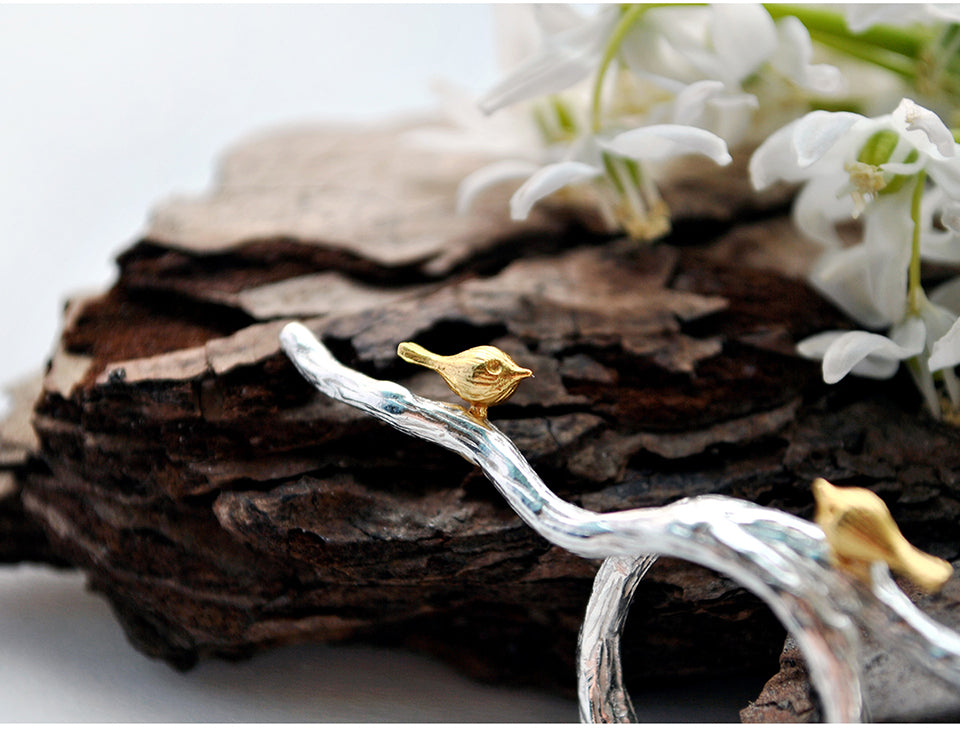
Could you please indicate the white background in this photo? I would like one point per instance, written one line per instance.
(105, 111)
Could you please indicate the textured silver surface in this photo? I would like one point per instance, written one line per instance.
(781, 558)
(601, 693)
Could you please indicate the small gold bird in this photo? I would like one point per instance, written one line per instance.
(482, 375)
(860, 530)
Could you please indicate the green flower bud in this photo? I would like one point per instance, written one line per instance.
(878, 148)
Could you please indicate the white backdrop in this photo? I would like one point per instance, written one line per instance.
(104, 111)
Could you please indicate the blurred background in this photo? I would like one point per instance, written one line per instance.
(104, 112)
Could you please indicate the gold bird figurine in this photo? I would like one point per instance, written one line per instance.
(482, 375)
(860, 530)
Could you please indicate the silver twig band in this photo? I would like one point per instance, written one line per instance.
(781, 558)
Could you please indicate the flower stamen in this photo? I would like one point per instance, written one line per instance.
(866, 180)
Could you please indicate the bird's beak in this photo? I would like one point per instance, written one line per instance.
(823, 492)
(521, 373)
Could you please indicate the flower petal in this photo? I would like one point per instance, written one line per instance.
(947, 295)
(923, 378)
(937, 319)
(946, 351)
(910, 335)
(546, 181)
(888, 233)
(492, 174)
(940, 247)
(816, 132)
(952, 384)
(775, 160)
(843, 277)
(817, 209)
(946, 174)
(690, 101)
(565, 59)
(924, 129)
(794, 50)
(744, 36)
(665, 141)
(869, 281)
(950, 216)
(655, 49)
(907, 170)
(827, 80)
(553, 18)
(544, 74)
(816, 346)
(730, 116)
(792, 60)
(869, 354)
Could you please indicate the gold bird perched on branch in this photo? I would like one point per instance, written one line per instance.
(860, 530)
(483, 375)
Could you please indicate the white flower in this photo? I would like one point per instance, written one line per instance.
(793, 59)
(810, 146)
(945, 352)
(862, 353)
(674, 48)
(520, 29)
(938, 322)
(822, 149)
(638, 204)
(868, 281)
(514, 133)
(718, 50)
(826, 150)
(666, 141)
(711, 105)
(567, 55)
(474, 184)
(685, 44)
(940, 245)
(924, 130)
(546, 181)
(925, 341)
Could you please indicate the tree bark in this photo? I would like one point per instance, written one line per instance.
(223, 507)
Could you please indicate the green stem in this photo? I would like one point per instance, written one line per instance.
(914, 290)
(921, 55)
(613, 174)
(900, 64)
(630, 16)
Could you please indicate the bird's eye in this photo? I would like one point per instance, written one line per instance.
(494, 366)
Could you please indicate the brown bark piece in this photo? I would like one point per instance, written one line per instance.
(788, 697)
(362, 194)
(895, 689)
(223, 506)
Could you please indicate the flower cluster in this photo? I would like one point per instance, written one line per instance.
(900, 175)
(598, 105)
(615, 96)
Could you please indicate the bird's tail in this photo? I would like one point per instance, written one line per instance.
(928, 572)
(417, 354)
